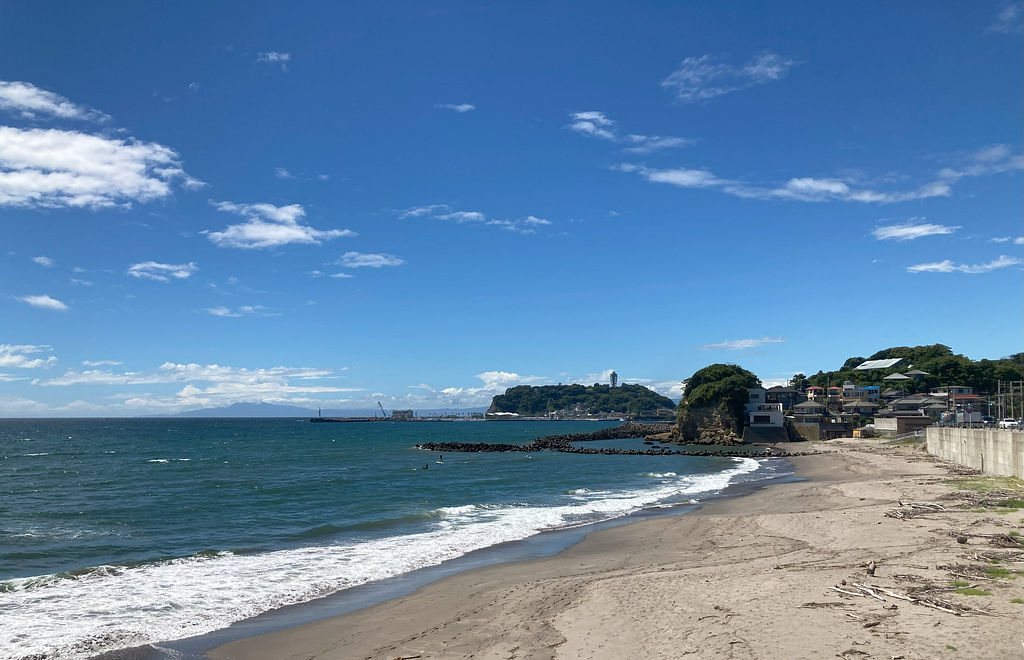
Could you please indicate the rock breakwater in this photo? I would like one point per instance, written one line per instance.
(564, 443)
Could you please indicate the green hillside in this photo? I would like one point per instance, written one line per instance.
(536, 401)
(944, 368)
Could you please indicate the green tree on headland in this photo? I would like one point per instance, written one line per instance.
(538, 401)
(942, 365)
(714, 396)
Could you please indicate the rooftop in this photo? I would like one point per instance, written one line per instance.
(879, 364)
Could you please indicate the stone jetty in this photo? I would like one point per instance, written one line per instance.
(564, 443)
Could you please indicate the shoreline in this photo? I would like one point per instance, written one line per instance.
(545, 544)
(748, 576)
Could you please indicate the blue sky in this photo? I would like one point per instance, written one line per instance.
(423, 204)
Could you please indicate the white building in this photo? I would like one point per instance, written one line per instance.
(761, 414)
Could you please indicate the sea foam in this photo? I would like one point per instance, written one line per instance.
(108, 607)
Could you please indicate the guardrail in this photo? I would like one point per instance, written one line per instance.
(915, 435)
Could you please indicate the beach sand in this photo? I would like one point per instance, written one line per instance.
(747, 577)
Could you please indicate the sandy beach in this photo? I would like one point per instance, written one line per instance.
(779, 573)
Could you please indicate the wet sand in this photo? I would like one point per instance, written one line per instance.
(747, 577)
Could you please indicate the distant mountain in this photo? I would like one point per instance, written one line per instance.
(278, 410)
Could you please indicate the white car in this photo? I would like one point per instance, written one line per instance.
(1008, 424)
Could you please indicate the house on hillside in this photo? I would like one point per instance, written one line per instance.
(891, 363)
(808, 412)
(853, 392)
(761, 413)
(860, 407)
(787, 396)
(815, 393)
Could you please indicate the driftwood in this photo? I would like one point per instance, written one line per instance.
(868, 591)
(932, 506)
(844, 591)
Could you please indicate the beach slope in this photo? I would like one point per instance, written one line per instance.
(748, 577)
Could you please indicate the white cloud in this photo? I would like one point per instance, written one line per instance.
(444, 212)
(221, 311)
(204, 386)
(1009, 19)
(463, 216)
(361, 260)
(45, 302)
(593, 124)
(947, 266)
(989, 160)
(993, 159)
(152, 270)
(170, 372)
(1019, 240)
(13, 356)
(596, 124)
(741, 344)
(273, 57)
(461, 107)
(77, 282)
(101, 363)
(10, 378)
(908, 231)
(52, 168)
(269, 226)
(282, 173)
(702, 78)
(342, 276)
(32, 103)
(241, 311)
(420, 211)
(45, 262)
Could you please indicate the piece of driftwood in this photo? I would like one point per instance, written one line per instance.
(894, 594)
(922, 505)
(868, 591)
(844, 591)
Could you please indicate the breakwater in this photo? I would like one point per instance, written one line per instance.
(564, 443)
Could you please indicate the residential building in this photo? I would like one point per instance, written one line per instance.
(787, 396)
(808, 412)
(766, 415)
(891, 363)
(860, 407)
(815, 393)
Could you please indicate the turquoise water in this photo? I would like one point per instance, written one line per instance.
(115, 533)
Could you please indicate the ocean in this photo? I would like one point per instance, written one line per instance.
(116, 533)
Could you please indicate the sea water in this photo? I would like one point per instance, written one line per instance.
(121, 532)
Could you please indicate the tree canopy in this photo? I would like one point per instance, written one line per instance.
(537, 401)
(718, 390)
(943, 366)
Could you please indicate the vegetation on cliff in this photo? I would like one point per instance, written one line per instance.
(943, 366)
(712, 404)
(537, 401)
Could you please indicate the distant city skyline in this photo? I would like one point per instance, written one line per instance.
(333, 205)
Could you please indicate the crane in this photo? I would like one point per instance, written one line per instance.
(382, 411)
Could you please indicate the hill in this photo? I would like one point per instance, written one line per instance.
(537, 401)
(943, 366)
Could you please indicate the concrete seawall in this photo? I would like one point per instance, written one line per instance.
(999, 453)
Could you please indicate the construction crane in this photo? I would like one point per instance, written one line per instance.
(382, 411)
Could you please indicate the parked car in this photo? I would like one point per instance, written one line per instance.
(988, 420)
(1009, 424)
